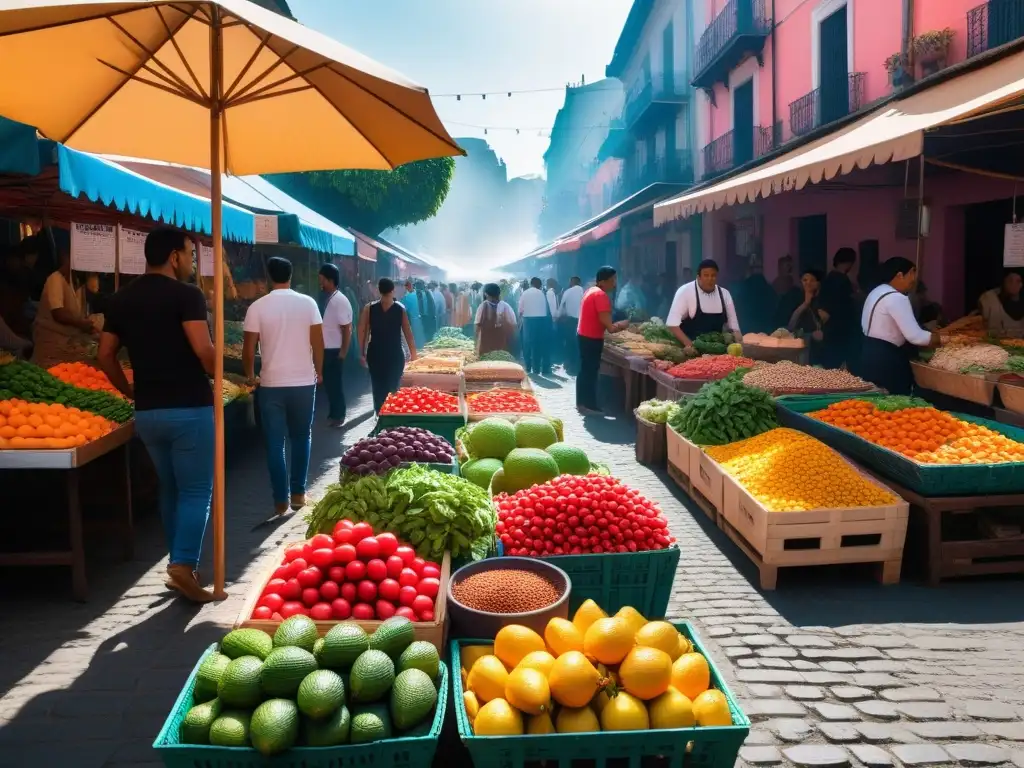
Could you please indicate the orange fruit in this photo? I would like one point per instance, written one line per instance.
(514, 641)
(691, 675)
(608, 640)
(563, 636)
(646, 672)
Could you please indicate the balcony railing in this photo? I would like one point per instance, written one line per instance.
(818, 108)
(767, 138)
(995, 23)
(676, 168)
(718, 156)
(648, 93)
(732, 150)
(738, 31)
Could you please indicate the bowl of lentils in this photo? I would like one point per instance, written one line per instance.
(486, 595)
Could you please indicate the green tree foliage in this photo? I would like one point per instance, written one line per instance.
(373, 201)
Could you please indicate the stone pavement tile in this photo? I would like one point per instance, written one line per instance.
(839, 733)
(878, 733)
(769, 676)
(817, 756)
(875, 680)
(911, 694)
(841, 654)
(924, 710)
(1008, 731)
(778, 652)
(809, 641)
(805, 692)
(988, 710)
(758, 737)
(1017, 758)
(829, 711)
(790, 730)
(764, 709)
(933, 731)
(851, 693)
(978, 754)
(838, 666)
(819, 677)
(871, 756)
(880, 641)
(921, 754)
(764, 691)
(760, 755)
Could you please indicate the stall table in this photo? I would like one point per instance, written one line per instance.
(70, 461)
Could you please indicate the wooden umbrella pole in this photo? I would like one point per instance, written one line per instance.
(216, 202)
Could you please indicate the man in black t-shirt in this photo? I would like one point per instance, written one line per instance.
(161, 320)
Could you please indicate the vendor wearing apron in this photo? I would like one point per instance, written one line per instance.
(702, 307)
(891, 332)
(61, 331)
(495, 322)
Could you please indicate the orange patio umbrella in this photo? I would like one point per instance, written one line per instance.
(225, 85)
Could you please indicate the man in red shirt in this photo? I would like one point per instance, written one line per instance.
(595, 319)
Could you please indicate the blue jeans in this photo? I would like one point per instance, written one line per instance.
(537, 333)
(287, 412)
(180, 443)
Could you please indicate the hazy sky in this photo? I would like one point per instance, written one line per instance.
(473, 46)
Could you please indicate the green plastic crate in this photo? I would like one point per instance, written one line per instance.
(444, 425)
(712, 746)
(929, 480)
(401, 752)
(642, 580)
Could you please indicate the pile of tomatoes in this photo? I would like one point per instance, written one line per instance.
(503, 401)
(709, 367)
(419, 400)
(573, 515)
(351, 574)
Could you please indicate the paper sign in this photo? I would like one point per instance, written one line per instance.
(93, 247)
(206, 260)
(1013, 245)
(132, 256)
(266, 228)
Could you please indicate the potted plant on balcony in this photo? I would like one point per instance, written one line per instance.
(931, 49)
(899, 69)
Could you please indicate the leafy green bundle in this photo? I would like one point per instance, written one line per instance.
(712, 343)
(725, 411)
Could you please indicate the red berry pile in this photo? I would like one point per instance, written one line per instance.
(709, 367)
(573, 515)
(351, 574)
(419, 400)
(503, 401)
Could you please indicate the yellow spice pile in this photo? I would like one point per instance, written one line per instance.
(787, 471)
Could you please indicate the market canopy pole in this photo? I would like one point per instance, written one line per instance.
(130, 78)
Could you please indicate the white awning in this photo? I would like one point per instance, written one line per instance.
(892, 133)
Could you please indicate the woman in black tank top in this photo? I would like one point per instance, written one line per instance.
(381, 326)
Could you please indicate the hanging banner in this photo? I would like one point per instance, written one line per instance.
(132, 254)
(266, 228)
(206, 260)
(1013, 245)
(93, 247)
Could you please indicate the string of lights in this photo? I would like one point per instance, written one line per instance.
(525, 130)
(508, 94)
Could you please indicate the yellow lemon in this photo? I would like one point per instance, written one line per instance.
(469, 654)
(576, 720)
(587, 614)
(660, 635)
(624, 713)
(711, 708)
(573, 680)
(671, 710)
(514, 641)
(487, 678)
(645, 672)
(498, 718)
(691, 674)
(563, 636)
(685, 646)
(542, 661)
(472, 705)
(527, 690)
(608, 640)
(539, 725)
(600, 700)
(632, 616)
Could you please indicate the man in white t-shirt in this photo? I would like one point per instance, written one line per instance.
(288, 328)
(337, 341)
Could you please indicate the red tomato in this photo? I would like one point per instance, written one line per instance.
(307, 550)
(355, 571)
(408, 578)
(417, 565)
(407, 612)
(311, 596)
(321, 541)
(375, 569)
(360, 531)
(277, 617)
(322, 558)
(336, 573)
(348, 591)
(389, 589)
(431, 571)
(368, 548)
(292, 551)
(282, 572)
(291, 589)
(406, 595)
(427, 616)
(422, 603)
(341, 609)
(343, 535)
(329, 590)
(407, 553)
(388, 544)
(273, 602)
(395, 565)
(344, 553)
(429, 587)
(299, 564)
(321, 612)
(366, 591)
(362, 612)
(385, 610)
(262, 612)
(311, 577)
(273, 587)
(291, 608)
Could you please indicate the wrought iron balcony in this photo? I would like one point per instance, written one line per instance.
(651, 97)
(994, 23)
(733, 149)
(718, 156)
(821, 107)
(767, 138)
(740, 30)
(676, 168)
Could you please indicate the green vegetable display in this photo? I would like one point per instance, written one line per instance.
(655, 330)
(725, 411)
(1015, 363)
(19, 379)
(450, 332)
(896, 402)
(498, 356)
(450, 342)
(655, 411)
(712, 343)
(433, 511)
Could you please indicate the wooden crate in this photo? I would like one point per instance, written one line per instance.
(974, 389)
(776, 540)
(707, 477)
(1012, 396)
(678, 450)
(431, 631)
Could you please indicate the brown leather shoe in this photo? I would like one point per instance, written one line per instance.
(298, 502)
(281, 509)
(195, 575)
(183, 579)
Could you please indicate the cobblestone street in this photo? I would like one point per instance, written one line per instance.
(833, 669)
